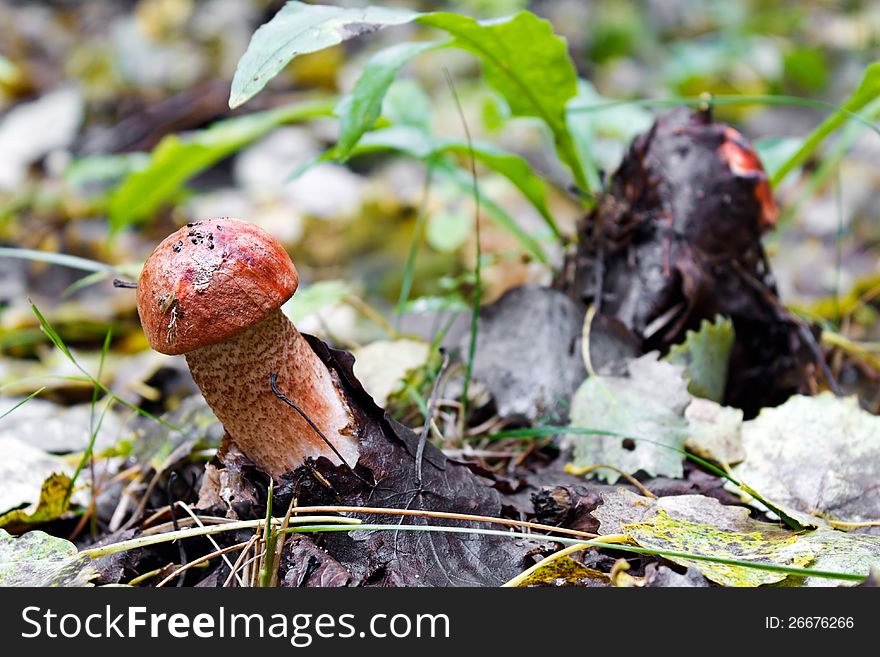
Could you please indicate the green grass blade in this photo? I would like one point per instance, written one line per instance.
(22, 402)
(776, 568)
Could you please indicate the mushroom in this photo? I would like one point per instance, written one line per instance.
(213, 291)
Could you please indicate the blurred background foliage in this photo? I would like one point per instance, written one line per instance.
(110, 140)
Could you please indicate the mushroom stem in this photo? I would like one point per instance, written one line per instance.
(234, 378)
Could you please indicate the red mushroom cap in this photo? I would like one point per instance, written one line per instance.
(209, 281)
(743, 161)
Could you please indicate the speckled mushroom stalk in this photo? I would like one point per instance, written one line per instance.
(213, 291)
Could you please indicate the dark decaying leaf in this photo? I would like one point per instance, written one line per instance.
(676, 240)
(304, 564)
(386, 475)
(529, 353)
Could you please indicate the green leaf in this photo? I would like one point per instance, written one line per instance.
(38, 559)
(298, 29)
(94, 169)
(22, 402)
(447, 231)
(176, 159)
(407, 103)
(513, 167)
(359, 110)
(705, 355)
(648, 403)
(498, 214)
(421, 145)
(525, 62)
(867, 91)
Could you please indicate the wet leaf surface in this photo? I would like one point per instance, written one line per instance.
(566, 572)
(701, 525)
(816, 455)
(528, 353)
(646, 402)
(38, 559)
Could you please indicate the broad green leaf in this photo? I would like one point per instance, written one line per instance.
(523, 60)
(407, 103)
(38, 559)
(298, 29)
(417, 143)
(359, 110)
(498, 214)
(867, 91)
(705, 355)
(649, 403)
(815, 455)
(94, 169)
(513, 167)
(176, 159)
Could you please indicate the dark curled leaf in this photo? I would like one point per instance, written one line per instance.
(677, 240)
(387, 558)
(305, 564)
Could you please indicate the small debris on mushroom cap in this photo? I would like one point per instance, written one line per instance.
(209, 281)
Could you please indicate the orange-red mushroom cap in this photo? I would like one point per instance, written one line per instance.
(209, 281)
(743, 161)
